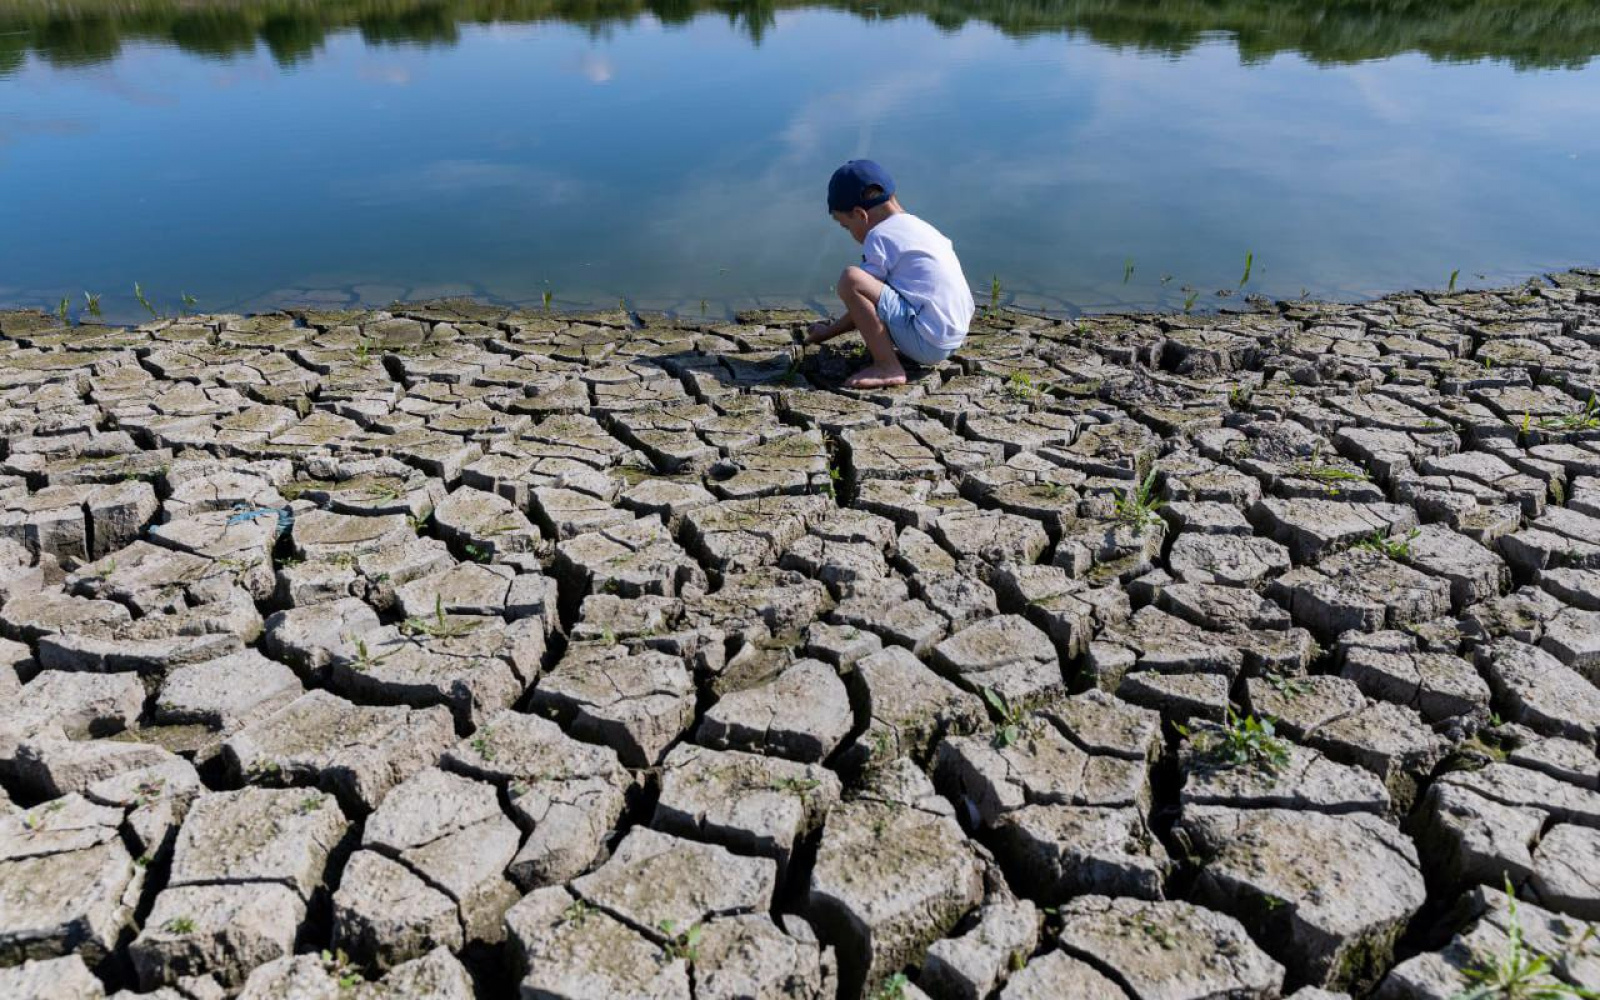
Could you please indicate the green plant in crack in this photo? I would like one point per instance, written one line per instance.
(797, 786)
(364, 660)
(179, 925)
(1518, 972)
(1137, 507)
(1585, 419)
(1289, 687)
(341, 968)
(577, 913)
(685, 945)
(1241, 742)
(1020, 388)
(893, 988)
(1398, 549)
(438, 625)
(1014, 721)
(482, 744)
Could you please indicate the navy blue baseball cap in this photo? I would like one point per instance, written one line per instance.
(847, 188)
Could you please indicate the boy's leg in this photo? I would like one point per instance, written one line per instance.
(859, 291)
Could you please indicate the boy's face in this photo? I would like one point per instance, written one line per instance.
(854, 222)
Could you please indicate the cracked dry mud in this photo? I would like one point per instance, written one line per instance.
(453, 651)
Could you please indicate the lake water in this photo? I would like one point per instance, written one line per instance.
(1089, 155)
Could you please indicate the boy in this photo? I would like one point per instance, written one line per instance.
(908, 294)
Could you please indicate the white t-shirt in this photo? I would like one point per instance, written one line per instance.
(920, 263)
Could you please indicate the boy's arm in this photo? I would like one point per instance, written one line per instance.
(822, 330)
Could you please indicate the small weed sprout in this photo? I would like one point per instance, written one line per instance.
(1398, 549)
(1188, 302)
(138, 295)
(339, 965)
(62, 312)
(799, 786)
(1247, 742)
(1249, 264)
(1518, 972)
(893, 988)
(1020, 387)
(476, 553)
(1289, 687)
(994, 295)
(1137, 507)
(481, 744)
(1014, 721)
(189, 301)
(1585, 419)
(438, 625)
(685, 946)
(91, 303)
(1453, 276)
(180, 925)
(364, 660)
(577, 913)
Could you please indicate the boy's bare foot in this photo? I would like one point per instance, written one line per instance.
(876, 377)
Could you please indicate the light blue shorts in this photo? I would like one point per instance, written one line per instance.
(901, 321)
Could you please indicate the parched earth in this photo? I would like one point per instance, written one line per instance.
(452, 651)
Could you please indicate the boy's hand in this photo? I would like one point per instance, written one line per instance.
(818, 331)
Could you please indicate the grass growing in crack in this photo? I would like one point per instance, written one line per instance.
(685, 946)
(1014, 721)
(1020, 388)
(1137, 507)
(1246, 742)
(1518, 972)
(364, 660)
(438, 625)
(476, 553)
(1289, 687)
(340, 966)
(1586, 419)
(91, 304)
(577, 913)
(481, 745)
(893, 988)
(1239, 397)
(1398, 549)
(994, 295)
(382, 492)
(180, 925)
(798, 786)
(62, 313)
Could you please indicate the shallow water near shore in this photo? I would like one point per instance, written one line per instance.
(1089, 157)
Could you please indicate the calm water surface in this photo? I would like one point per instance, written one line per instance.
(256, 154)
